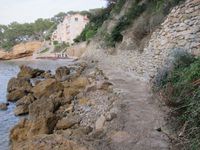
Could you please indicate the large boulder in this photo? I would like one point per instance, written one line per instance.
(42, 115)
(21, 110)
(19, 84)
(23, 105)
(28, 72)
(67, 122)
(62, 73)
(80, 82)
(41, 107)
(19, 132)
(26, 100)
(15, 95)
(43, 125)
(70, 92)
(47, 88)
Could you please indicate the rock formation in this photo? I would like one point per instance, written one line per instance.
(21, 50)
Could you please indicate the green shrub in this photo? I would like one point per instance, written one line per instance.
(92, 27)
(60, 47)
(184, 93)
(117, 8)
(90, 34)
(45, 50)
(55, 42)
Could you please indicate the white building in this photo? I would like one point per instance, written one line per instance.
(70, 28)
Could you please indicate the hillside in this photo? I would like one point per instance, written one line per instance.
(177, 31)
(147, 49)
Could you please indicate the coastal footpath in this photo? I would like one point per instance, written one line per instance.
(105, 101)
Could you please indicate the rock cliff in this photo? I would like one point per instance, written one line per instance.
(21, 50)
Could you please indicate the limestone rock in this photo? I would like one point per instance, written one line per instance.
(103, 85)
(28, 72)
(46, 88)
(66, 123)
(19, 84)
(82, 131)
(80, 82)
(44, 124)
(70, 92)
(21, 110)
(26, 100)
(100, 122)
(19, 132)
(21, 50)
(41, 107)
(15, 95)
(62, 73)
(110, 116)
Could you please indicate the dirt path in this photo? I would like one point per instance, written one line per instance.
(139, 114)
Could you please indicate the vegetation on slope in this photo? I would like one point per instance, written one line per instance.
(96, 21)
(137, 8)
(180, 89)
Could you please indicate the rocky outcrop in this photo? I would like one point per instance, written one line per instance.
(62, 73)
(47, 88)
(22, 105)
(59, 108)
(67, 122)
(15, 95)
(21, 50)
(18, 88)
(76, 51)
(19, 84)
(28, 72)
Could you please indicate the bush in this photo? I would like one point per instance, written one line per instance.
(95, 23)
(117, 8)
(60, 47)
(45, 50)
(90, 34)
(55, 42)
(182, 89)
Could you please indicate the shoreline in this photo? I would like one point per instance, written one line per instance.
(94, 111)
(77, 93)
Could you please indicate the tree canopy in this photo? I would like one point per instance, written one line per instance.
(15, 32)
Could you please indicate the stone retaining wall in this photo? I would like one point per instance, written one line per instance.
(180, 31)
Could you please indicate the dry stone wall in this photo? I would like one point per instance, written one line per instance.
(179, 32)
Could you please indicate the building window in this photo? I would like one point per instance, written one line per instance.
(76, 19)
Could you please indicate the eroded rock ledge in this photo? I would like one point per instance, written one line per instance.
(64, 110)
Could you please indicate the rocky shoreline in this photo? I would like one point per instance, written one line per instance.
(67, 110)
